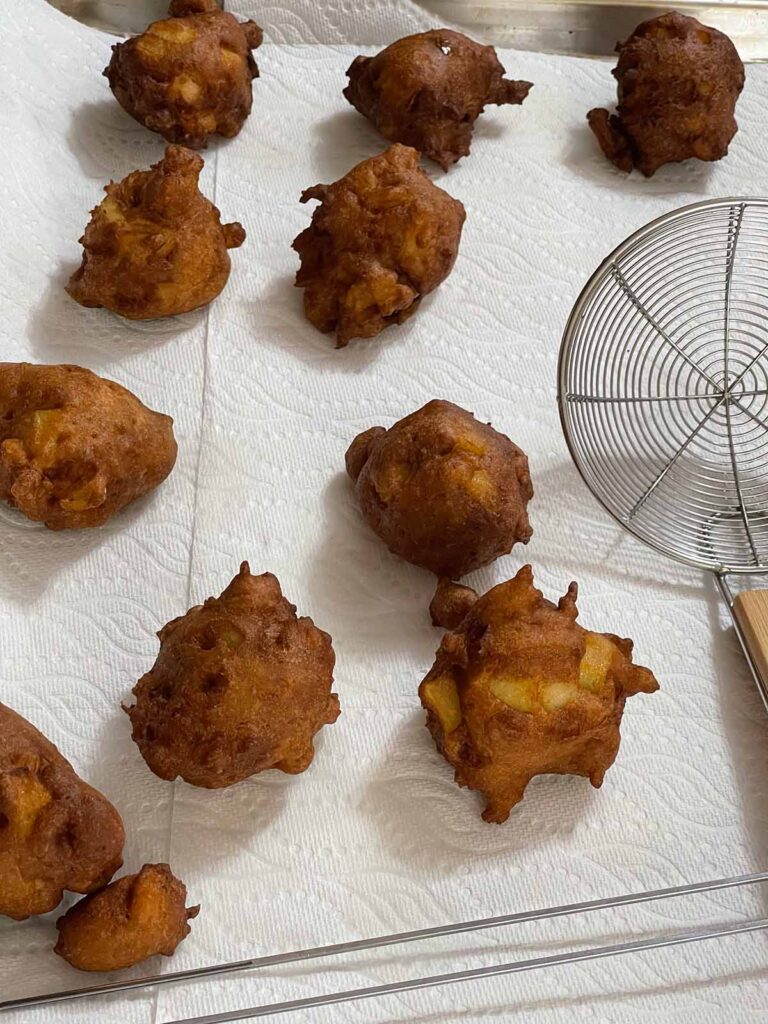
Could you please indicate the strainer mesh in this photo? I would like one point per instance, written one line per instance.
(663, 384)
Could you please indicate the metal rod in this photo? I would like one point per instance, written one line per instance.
(750, 364)
(516, 967)
(647, 315)
(359, 945)
(672, 461)
(632, 400)
(748, 412)
(737, 481)
(725, 589)
(734, 233)
(727, 596)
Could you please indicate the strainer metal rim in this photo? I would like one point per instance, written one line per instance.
(574, 319)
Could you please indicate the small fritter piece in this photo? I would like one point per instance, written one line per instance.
(519, 689)
(75, 448)
(442, 490)
(449, 607)
(189, 76)
(383, 236)
(155, 246)
(240, 685)
(131, 919)
(678, 85)
(428, 90)
(56, 831)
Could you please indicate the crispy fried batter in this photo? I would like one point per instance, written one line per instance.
(189, 76)
(56, 831)
(155, 246)
(180, 8)
(382, 237)
(451, 603)
(427, 91)
(240, 685)
(442, 490)
(678, 86)
(75, 448)
(518, 689)
(133, 918)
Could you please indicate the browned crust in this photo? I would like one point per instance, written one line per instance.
(240, 685)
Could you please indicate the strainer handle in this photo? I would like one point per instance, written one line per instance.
(750, 618)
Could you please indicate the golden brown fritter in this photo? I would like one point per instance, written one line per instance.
(56, 832)
(383, 236)
(240, 685)
(449, 607)
(155, 246)
(678, 86)
(189, 76)
(442, 490)
(131, 919)
(428, 90)
(519, 689)
(75, 448)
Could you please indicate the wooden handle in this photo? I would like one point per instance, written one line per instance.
(751, 611)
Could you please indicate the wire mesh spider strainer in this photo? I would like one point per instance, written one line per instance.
(663, 392)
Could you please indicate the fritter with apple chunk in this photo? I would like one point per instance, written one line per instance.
(188, 76)
(57, 833)
(442, 490)
(518, 689)
(678, 85)
(155, 246)
(75, 448)
(131, 919)
(383, 236)
(428, 90)
(240, 685)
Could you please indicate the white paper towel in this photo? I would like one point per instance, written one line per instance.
(375, 837)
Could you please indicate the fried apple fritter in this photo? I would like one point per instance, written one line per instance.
(75, 448)
(427, 91)
(678, 85)
(56, 831)
(155, 246)
(133, 918)
(240, 685)
(383, 236)
(451, 603)
(442, 490)
(518, 689)
(189, 76)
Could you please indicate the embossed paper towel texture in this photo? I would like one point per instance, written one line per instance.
(375, 836)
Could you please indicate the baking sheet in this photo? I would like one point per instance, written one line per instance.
(375, 837)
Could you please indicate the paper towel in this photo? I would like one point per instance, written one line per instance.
(375, 837)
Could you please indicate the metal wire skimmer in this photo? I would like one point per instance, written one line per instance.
(663, 392)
